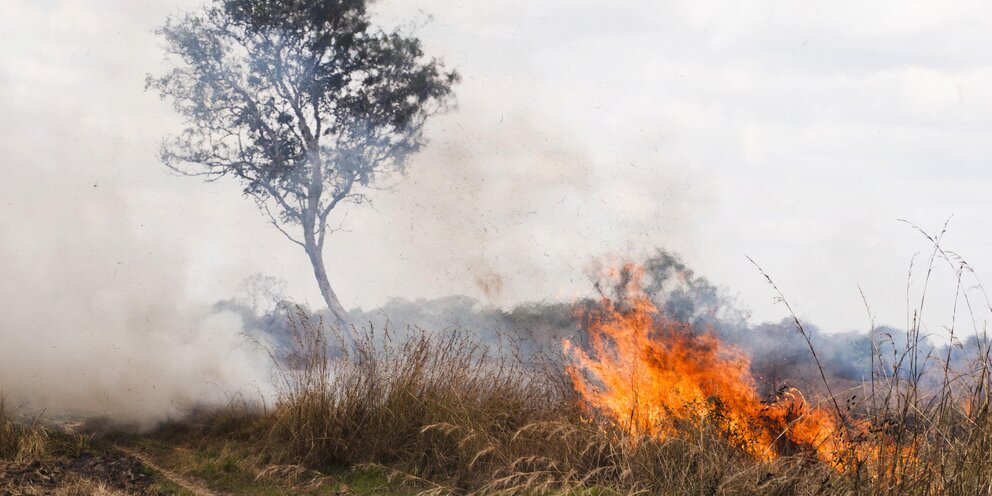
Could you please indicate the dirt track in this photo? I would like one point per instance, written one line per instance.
(180, 480)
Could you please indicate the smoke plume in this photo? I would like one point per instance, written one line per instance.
(97, 321)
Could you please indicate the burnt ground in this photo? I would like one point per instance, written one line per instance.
(111, 472)
(179, 463)
(130, 464)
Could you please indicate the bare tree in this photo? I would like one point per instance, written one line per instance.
(302, 101)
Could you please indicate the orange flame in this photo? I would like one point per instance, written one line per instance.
(650, 374)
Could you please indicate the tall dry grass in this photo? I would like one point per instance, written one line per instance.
(440, 407)
(26, 438)
(920, 423)
(21, 439)
(925, 412)
(452, 416)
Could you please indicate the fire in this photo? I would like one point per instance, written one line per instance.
(651, 374)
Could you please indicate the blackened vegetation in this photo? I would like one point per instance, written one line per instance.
(303, 101)
(88, 473)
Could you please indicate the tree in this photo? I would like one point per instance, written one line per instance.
(303, 102)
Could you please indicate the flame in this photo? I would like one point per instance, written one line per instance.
(651, 374)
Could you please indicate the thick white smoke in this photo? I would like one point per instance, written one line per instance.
(108, 274)
(96, 321)
(700, 133)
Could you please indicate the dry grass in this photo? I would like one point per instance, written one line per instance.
(25, 439)
(437, 407)
(440, 413)
(447, 415)
(81, 487)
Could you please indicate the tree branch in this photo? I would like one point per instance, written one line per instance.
(275, 223)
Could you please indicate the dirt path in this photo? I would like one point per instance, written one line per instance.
(180, 480)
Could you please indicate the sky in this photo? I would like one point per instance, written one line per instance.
(796, 134)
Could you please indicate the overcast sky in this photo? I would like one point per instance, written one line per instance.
(793, 132)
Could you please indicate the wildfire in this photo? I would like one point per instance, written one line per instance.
(651, 374)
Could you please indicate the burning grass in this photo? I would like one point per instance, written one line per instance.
(654, 376)
(640, 404)
(637, 403)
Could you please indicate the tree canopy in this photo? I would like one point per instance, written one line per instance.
(303, 101)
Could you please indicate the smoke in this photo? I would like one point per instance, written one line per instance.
(99, 318)
(93, 325)
(108, 268)
(111, 269)
(779, 353)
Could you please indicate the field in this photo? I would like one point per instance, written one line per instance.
(645, 405)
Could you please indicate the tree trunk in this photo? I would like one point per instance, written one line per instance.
(330, 298)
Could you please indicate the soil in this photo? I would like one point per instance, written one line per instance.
(114, 471)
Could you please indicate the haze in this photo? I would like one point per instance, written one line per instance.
(793, 133)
